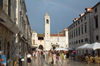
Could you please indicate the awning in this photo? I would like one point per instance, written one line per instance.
(9, 25)
(34, 46)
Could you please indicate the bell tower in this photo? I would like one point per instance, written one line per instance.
(47, 44)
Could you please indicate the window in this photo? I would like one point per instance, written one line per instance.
(85, 28)
(40, 38)
(97, 37)
(82, 40)
(86, 39)
(82, 29)
(1, 3)
(81, 20)
(78, 22)
(9, 7)
(79, 41)
(76, 42)
(76, 32)
(95, 9)
(47, 21)
(72, 34)
(96, 22)
(85, 18)
(79, 30)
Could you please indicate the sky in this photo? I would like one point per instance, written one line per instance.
(62, 13)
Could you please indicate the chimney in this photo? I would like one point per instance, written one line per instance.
(81, 14)
(75, 19)
(88, 9)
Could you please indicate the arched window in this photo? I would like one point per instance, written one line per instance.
(47, 21)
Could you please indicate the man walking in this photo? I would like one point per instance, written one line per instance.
(2, 58)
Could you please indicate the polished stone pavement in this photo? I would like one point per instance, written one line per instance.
(42, 62)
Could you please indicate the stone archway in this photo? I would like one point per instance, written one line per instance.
(41, 47)
(54, 47)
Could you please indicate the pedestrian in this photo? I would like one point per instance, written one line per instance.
(64, 56)
(38, 54)
(28, 59)
(2, 59)
(42, 54)
(54, 58)
(33, 54)
(60, 58)
(74, 53)
(57, 57)
(67, 57)
(20, 57)
(50, 57)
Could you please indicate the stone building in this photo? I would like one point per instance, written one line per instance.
(86, 28)
(96, 22)
(15, 30)
(7, 28)
(49, 41)
(24, 36)
(80, 31)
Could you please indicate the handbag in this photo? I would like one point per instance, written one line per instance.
(2, 65)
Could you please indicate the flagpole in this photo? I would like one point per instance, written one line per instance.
(58, 37)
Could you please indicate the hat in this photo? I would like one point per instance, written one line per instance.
(1, 51)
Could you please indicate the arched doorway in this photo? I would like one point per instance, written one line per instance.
(54, 47)
(41, 47)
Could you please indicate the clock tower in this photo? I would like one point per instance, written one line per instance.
(47, 45)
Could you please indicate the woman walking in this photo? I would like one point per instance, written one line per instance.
(54, 58)
(67, 57)
(28, 59)
(50, 57)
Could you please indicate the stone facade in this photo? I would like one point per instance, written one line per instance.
(49, 41)
(7, 19)
(86, 28)
(96, 22)
(15, 30)
(79, 31)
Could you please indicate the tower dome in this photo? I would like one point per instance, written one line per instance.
(46, 14)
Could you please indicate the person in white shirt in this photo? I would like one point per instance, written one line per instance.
(33, 55)
(36, 54)
(54, 58)
(28, 59)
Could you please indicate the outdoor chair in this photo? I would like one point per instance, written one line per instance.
(88, 60)
(91, 59)
(96, 60)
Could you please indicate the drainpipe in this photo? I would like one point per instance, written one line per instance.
(7, 34)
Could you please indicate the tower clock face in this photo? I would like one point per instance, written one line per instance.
(47, 21)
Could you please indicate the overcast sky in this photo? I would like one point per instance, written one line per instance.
(62, 12)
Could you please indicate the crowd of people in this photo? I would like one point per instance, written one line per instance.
(52, 57)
